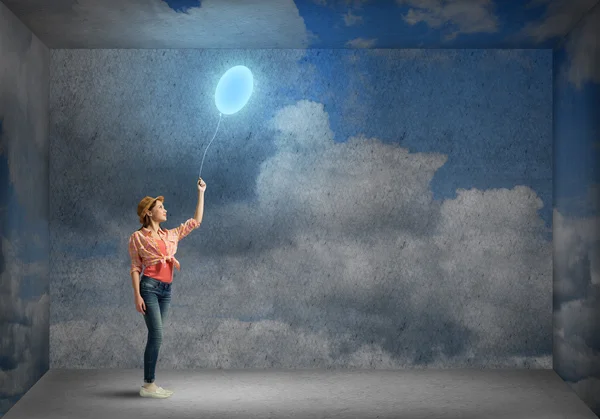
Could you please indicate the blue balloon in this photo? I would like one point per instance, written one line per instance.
(234, 90)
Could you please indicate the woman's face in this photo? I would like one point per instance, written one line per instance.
(158, 213)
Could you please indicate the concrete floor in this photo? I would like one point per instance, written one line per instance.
(231, 394)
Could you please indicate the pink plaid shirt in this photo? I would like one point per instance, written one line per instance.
(144, 251)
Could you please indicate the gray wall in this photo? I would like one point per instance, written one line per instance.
(370, 209)
(577, 210)
(24, 243)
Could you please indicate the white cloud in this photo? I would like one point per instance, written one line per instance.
(575, 360)
(351, 19)
(364, 185)
(469, 16)
(575, 240)
(583, 49)
(361, 43)
(230, 344)
(577, 288)
(24, 327)
(362, 170)
(575, 320)
(559, 19)
(139, 24)
(496, 263)
(360, 272)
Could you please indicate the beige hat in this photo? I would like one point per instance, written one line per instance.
(145, 203)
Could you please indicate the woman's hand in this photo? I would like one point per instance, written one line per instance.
(201, 185)
(140, 305)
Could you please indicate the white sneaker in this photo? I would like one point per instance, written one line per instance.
(166, 390)
(159, 393)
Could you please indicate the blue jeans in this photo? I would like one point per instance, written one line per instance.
(157, 297)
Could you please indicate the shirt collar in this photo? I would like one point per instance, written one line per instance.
(146, 231)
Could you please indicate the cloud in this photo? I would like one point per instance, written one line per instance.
(368, 206)
(24, 328)
(576, 340)
(468, 16)
(140, 24)
(583, 49)
(367, 269)
(559, 18)
(351, 20)
(483, 238)
(356, 171)
(226, 343)
(576, 260)
(576, 312)
(361, 43)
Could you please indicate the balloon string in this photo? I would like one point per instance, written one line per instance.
(200, 174)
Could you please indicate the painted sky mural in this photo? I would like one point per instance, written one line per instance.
(343, 208)
(24, 236)
(577, 210)
(301, 23)
(455, 143)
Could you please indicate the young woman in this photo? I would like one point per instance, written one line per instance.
(152, 250)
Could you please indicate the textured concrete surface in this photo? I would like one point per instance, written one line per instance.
(418, 239)
(315, 394)
(24, 242)
(577, 210)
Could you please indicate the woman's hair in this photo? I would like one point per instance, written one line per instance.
(146, 218)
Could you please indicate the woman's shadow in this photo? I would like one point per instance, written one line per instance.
(123, 394)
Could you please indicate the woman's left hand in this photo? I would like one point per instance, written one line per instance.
(201, 185)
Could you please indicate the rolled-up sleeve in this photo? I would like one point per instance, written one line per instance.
(136, 260)
(186, 228)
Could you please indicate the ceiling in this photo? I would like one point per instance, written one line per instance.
(300, 23)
